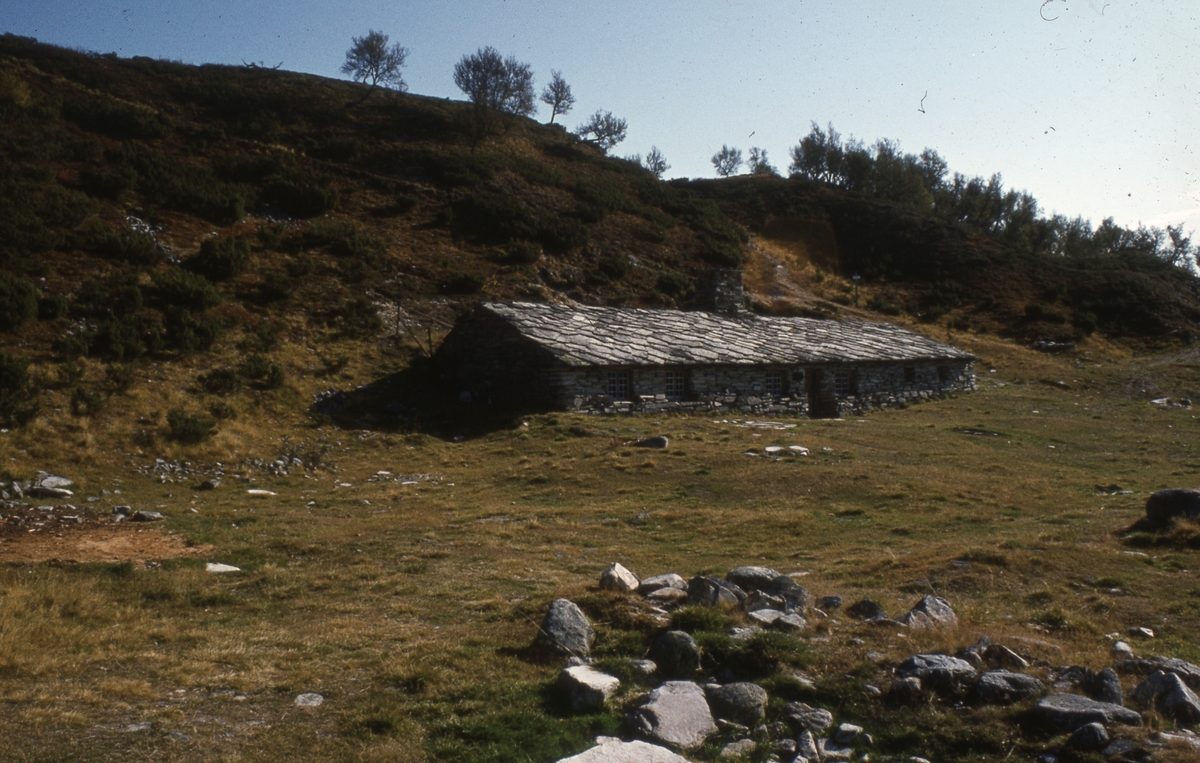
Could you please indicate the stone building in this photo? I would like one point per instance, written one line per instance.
(606, 359)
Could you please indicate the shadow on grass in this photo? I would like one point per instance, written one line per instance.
(413, 401)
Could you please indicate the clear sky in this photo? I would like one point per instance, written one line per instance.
(1091, 105)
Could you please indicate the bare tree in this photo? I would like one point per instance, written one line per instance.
(758, 164)
(603, 129)
(656, 162)
(727, 161)
(372, 61)
(557, 95)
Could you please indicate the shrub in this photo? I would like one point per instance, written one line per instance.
(17, 404)
(301, 196)
(220, 381)
(18, 302)
(120, 378)
(357, 318)
(220, 259)
(721, 254)
(188, 428)
(523, 252)
(185, 290)
(275, 286)
(85, 402)
(221, 410)
(464, 283)
(115, 119)
(118, 339)
(1035, 311)
(615, 264)
(259, 369)
(53, 307)
(189, 332)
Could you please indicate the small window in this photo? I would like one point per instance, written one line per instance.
(841, 383)
(773, 386)
(676, 385)
(943, 374)
(618, 385)
(910, 374)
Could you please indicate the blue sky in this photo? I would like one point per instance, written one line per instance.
(1090, 105)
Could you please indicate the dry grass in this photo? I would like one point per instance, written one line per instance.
(408, 606)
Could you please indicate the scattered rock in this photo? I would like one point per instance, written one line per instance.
(586, 688)
(1167, 693)
(613, 750)
(1187, 671)
(676, 653)
(751, 578)
(1141, 632)
(1003, 687)
(1068, 712)
(218, 568)
(806, 747)
(795, 597)
(741, 702)
(808, 718)
(657, 442)
(566, 630)
(309, 699)
(1173, 503)
(833, 750)
(738, 748)
(617, 578)
(1124, 751)
(1089, 737)
(714, 592)
(939, 672)
(260, 493)
(123, 510)
(907, 690)
(675, 713)
(789, 622)
(930, 612)
(658, 582)
(209, 484)
(998, 654)
(667, 596)
(52, 480)
(41, 491)
(1107, 687)
(147, 516)
(1121, 650)
(829, 603)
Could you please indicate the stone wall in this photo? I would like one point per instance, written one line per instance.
(743, 388)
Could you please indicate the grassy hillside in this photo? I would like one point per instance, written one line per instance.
(190, 255)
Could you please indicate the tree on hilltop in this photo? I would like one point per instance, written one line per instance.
(603, 130)
(727, 161)
(372, 61)
(656, 162)
(758, 164)
(495, 86)
(557, 95)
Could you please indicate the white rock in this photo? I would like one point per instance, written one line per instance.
(259, 492)
(309, 699)
(586, 688)
(612, 750)
(617, 578)
(676, 713)
(217, 567)
(1122, 650)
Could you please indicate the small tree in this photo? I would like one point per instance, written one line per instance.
(370, 60)
(656, 162)
(494, 85)
(727, 161)
(758, 164)
(557, 95)
(603, 130)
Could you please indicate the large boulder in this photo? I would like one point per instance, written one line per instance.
(714, 592)
(939, 672)
(1003, 687)
(1089, 737)
(796, 598)
(743, 702)
(1187, 671)
(675, 713)
(566, 630)
(1068, 712)
(1106, 687)
(1170, 695)
(658, 582)
(676, 653)
(613, 750)
(617, 578)
(1173, 503)
(866, 609)
(930, 612)
(751, 578)
(586, 688)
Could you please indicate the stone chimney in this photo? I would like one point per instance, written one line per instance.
(720, 291)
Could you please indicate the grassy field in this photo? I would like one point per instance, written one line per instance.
(409, 599)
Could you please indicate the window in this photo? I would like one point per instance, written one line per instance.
(618, 385)
(676, 385)
(841, 383)
(774, 384)
(910, 374)
(943, 374)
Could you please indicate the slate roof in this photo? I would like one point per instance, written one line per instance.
(585, 336)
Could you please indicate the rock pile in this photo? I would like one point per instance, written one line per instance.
(686, 708)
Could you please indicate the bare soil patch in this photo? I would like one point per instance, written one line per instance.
(31, 534)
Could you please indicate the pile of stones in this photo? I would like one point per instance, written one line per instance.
(685, 709)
